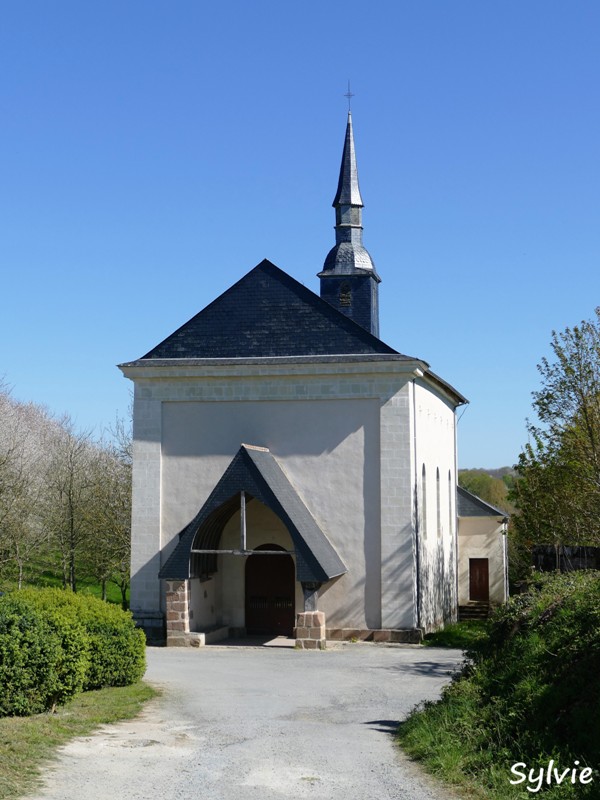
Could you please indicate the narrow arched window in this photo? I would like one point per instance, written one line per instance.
(345, 295)
(438, 503)
(450, 517)
(424, 502)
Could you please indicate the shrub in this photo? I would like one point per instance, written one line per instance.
(529, 692)
(542, 665)
(54, 643)
(60, 610)
(30, 653)
(117, 647)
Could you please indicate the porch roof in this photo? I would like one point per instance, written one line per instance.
(254, 470)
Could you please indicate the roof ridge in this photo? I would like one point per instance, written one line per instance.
(262, 326)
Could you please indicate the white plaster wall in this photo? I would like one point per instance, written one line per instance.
(146, 488)
(345, 436)
(398, 608)
(481, 537)
(434, 420)
(205, 603)
(329, 450)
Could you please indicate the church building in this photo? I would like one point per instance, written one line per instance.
(294, 474)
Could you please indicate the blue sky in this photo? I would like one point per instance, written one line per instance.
(151, 153)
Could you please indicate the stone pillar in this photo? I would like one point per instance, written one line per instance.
(178, 613)
(310, 631)
(311, 595)
(310, 624)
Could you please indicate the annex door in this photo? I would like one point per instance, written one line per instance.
(479, 579)
(270, 593)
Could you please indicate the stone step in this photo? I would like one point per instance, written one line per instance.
(473, 610)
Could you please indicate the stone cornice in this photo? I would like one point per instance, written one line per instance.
(288, 366)
(170, 368)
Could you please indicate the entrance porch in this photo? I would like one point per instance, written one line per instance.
(251, 561)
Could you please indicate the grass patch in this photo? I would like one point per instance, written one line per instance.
(451, 742)
(529, 692)
(462, 635)
(50, 580)
(27, 743)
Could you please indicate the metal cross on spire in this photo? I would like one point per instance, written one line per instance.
(349, 95)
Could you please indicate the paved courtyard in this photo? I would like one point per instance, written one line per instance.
(260, 723)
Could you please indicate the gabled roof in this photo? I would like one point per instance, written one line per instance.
(268, 313)
(255, 471)
(469, 505)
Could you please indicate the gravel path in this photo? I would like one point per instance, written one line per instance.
(244, 723)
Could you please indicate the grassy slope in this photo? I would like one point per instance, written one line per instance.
(531, 693)
(26, 743)
(462, 635)
(46, 578)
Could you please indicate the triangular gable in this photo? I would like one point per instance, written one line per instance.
(265, 314)
(469, 505)
(255, 471)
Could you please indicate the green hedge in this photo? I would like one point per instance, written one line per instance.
(30, 652)
(54, 643)
(117, 647)
(59, 609)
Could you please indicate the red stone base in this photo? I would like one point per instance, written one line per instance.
(407, 636)
(310, 631)
(177, 614)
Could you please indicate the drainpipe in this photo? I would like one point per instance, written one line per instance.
(505, 554)
(456, 543)
(416, 505)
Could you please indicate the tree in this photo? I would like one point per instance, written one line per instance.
(108, 541)
(65, 498)
(68, 487)
(23, 429)
(492, 490)
(557, 490)
(122, 451)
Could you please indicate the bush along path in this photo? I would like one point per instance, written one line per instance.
(55, 644)
(523, 716)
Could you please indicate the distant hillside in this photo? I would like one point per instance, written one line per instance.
(492, 485)
(498, 472)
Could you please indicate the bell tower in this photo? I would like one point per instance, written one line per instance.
(349, 281)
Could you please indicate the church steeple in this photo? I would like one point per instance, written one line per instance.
(348, 192)
(349, 281)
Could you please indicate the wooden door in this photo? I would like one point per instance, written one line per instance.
(270, 593)
(479, 579)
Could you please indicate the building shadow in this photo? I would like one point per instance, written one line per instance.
(389, 726)
(267, 640)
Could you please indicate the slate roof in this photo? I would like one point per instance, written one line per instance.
(256, 472)
(268, 313)
(469, 505)
(348, 192)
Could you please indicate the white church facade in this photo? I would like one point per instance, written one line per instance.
(292, 472)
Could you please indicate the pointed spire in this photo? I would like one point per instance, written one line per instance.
(348, 192)
(348, 278)
(348, 256)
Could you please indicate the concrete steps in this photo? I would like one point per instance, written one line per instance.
(473, 610)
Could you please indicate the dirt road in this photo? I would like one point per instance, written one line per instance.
(243, 723)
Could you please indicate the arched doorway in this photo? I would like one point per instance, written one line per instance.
(270, 593)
